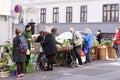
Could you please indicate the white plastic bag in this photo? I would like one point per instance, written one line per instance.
(28, 52)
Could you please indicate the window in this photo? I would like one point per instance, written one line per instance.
(55, 15)
(111, 13)
(83, 14)
(43, 15)
(69, 14)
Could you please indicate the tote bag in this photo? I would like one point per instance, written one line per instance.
(85, 48)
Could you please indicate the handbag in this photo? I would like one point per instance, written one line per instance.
(85, 48)
(114, 45)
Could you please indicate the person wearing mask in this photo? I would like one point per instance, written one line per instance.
(117, 43)
(99, 36)
(19, 57)
(50, 49)
(77, 43)
(28, 35)
(88, 42)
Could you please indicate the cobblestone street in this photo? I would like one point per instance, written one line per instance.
(97, 70)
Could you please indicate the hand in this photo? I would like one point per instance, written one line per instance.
(83, 36)
(114, 39)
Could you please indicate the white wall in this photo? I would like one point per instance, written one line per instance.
(3, 30)
(5, 6)
(94, 10)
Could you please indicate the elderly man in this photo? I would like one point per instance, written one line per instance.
(77, 42)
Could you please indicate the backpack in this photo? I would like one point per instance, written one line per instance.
(23, 46)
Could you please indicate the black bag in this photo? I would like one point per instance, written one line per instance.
(114, 45)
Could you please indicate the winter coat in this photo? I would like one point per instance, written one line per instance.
(40, 38)
(17, 55)
(117, 36)
(27, 34)
(49, 46)
(88, 40)
(99, 37)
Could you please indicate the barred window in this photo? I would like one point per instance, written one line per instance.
(69, 14)
(83, 14)
(55, 15)
(111, 13)
(43, 15)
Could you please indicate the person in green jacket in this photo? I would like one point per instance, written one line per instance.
(28, 35)
(54, 34)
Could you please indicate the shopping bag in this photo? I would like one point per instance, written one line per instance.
(81, 53)
(85, 48)
(114, 45)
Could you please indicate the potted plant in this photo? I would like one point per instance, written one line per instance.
(94, 50)
(110, 50)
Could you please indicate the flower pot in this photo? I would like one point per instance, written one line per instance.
(12, 74)
(111, 52)
(94, 53)
(102, 53)
(2, 64)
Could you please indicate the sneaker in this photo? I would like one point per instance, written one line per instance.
(22, 75)
(18, 77)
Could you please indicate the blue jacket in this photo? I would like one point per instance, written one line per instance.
(89, 40)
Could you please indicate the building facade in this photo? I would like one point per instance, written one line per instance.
(5, 6)
(8, 17)
(63, 14)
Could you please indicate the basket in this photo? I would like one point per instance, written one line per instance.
(4, 74)
(2, 64)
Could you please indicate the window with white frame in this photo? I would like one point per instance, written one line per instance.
(55, 15)
(83, 14)
(43, 15)
(69, 14)
(111, 13)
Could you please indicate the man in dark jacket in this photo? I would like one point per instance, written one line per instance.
(49, 49)
(99, 36)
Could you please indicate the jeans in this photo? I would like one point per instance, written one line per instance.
(88, 57)
(36, 57)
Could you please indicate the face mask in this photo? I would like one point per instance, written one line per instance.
(98, 32)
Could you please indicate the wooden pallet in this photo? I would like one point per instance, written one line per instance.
(4, 74)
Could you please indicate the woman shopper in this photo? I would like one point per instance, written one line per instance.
(19, 57)
(54, 34)
(49, 49)
(88, 42)
(117, 42)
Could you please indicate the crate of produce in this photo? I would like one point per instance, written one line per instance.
(4, 74)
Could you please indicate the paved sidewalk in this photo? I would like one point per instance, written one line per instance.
(97, 70)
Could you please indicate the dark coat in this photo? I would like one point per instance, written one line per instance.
(99, 37)
(40, 38)
(49, 46)
(17, 55)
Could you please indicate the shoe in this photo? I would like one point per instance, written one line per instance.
(80, 63)
(22, 75)
(50, 69)
(85, 62)
(46, 69)
(18, 77)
